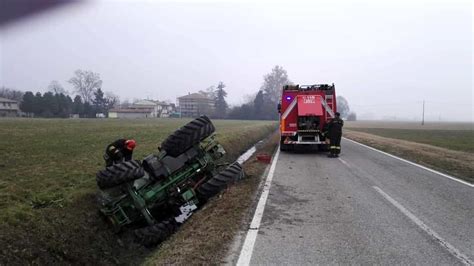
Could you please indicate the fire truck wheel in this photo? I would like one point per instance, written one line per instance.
(155, 234)
(118, 174)
(220, 181)
(187, 136)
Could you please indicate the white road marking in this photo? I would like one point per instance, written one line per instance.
(415, 164)
(344, 162)
(451, 249)
(247, 248)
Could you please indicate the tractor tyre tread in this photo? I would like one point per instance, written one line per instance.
(155, 234)
(118, 174)
(220, 181)
(190, 134)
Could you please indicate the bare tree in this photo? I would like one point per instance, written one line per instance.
(85, 84)
(210, 92)
(125, 103)
(112, 100)
(11, 94)
(343, 106)
(56, 88)
(274, 82)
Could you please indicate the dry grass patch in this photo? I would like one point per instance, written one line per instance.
(457, 163)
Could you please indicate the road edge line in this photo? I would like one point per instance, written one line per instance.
(344, 162)
(414, 164)
(247, 248)
(450, 248)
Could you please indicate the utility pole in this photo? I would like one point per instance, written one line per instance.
(423, 116)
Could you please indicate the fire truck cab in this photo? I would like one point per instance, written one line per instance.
(305, 111)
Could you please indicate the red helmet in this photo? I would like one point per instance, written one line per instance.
(130, 144)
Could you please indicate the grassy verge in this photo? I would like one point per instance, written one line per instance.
(47, 203)
(410, 125)
(206, 237)
(455, 162)
(460, 140)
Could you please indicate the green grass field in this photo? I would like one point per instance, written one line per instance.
(47, 183)
(460, 140)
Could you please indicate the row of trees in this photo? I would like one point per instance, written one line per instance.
(264, 105)
(88, 101)
(11, 94)
(47, 104)
(57, 104)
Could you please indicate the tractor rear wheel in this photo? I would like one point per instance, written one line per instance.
(220, 181)
(118, 174)
(155, 234)
(190, 134)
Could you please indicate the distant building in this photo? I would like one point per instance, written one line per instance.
(130, 113)
(195, 104)
(9, 108)
(144, 109)
(159, 109)
(166, 109)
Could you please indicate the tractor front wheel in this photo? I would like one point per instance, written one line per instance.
(155, 234)
(220, 181)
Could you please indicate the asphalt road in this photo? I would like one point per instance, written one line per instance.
(364, 208)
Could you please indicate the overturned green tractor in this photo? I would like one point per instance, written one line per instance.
(154, 196)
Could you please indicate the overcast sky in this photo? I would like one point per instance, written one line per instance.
(385, 57)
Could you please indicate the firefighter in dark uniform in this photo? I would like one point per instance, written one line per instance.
(119, 151)
(335, 134)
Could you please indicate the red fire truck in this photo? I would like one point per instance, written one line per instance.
(305, 111)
